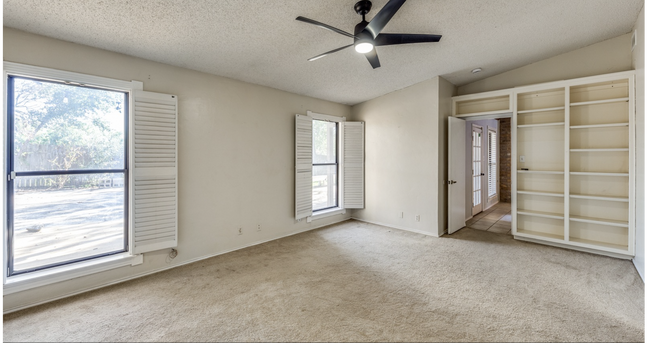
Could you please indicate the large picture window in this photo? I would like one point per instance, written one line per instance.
(325, 165)
(67, 163)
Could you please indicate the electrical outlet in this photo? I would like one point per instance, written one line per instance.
(522, 158)
(417, 218)
(259, 228)
(239, 232)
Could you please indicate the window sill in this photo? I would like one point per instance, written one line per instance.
(40, 278)
(326, 213)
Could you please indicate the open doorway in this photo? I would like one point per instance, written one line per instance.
(488, 161)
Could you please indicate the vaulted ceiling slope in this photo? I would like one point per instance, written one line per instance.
(259, 41)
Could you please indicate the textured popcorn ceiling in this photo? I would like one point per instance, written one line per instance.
(259, 41)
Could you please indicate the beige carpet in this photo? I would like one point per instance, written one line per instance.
(361, 282)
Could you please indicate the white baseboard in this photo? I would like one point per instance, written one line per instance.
(639, 270)
(149, 272)
(397, 227)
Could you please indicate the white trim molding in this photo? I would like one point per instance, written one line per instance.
(49, 276)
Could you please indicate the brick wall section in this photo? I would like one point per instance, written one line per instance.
(504, 160)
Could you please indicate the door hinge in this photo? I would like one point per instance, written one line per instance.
(11, 176)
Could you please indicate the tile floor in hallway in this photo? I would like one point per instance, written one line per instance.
(495, 219)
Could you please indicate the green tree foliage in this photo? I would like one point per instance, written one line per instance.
(64, 127)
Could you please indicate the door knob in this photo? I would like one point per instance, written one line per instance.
(451, 182)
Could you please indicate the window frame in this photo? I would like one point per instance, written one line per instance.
(330, 211)
(10, 148)
(335, 163)
(23, 281)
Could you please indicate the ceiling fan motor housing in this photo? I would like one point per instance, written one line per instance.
(363, 7)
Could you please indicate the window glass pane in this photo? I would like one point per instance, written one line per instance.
(324, 138)
(67, 217)
(64, 127)
(324, 190)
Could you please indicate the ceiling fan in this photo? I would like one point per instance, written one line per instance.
(367, 35)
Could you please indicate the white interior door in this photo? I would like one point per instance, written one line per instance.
(477, 170)
(456, 172)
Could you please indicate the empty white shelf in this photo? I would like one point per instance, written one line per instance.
(542, 110)
(619, 223)
(598, 125)
(599, 197)
(600, 150)
(595, 102)
(540, 125)
(539, 172)
(505, 112)
(541, 234)
(541, 214)
(598, 243)
(550, 194)
(599, 174)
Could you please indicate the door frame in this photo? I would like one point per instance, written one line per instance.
(477, 208)
(470, 118)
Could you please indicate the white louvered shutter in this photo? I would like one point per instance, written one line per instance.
(303, 166)
(353, 164)
(492, 162)
(154, 178)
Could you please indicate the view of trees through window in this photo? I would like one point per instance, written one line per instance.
(68, 152)
(325, 165)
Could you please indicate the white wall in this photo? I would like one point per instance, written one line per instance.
(469, 189)
(402, 151)
(638, 63)
(236, 155)
(610, 56)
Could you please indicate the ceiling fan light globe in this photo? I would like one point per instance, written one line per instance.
(364, 47)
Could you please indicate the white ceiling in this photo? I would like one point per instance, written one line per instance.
(259, 41)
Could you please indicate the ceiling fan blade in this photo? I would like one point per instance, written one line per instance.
(404, 38)
(329, 52)
(383, 17)
(373, 59)
(324, 26)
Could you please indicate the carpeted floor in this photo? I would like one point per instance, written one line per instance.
(361, 282)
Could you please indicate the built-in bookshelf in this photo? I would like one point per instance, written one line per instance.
(574, 156)
(573, 160)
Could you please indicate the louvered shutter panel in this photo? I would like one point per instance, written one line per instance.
(353, 164)
(154, 172)
(303, 166)
(492, 161)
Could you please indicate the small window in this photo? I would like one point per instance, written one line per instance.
(325, 165)
(67, 194)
